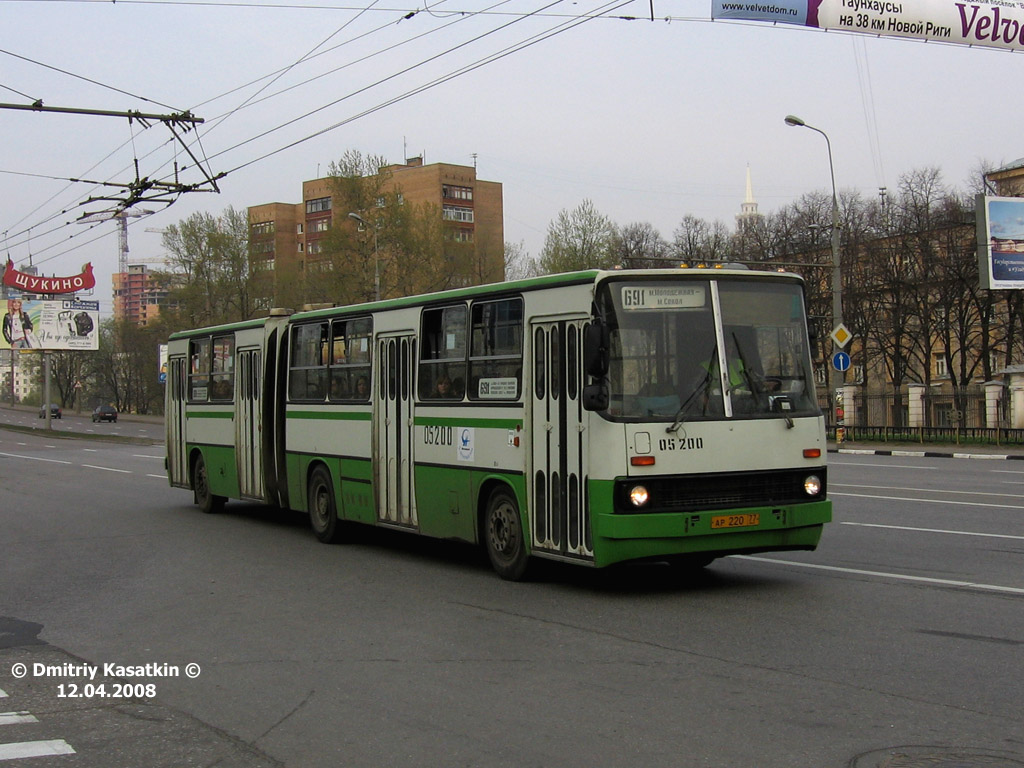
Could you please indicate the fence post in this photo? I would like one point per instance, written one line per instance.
(915, 408)
(993, 394)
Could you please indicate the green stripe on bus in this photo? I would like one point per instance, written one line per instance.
(330, 415)
(432, 421)
(210, 414)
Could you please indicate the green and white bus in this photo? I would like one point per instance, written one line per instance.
(582, 417)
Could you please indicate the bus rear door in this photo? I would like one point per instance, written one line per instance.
(394, 430)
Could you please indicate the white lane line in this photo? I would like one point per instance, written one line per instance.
(144, 456)
(887, 466)
(926, 501)
(108, 469)
(33, 458)
(158, 477)
(936, 530)
(923, 490)
(91, 450)
(13, 718)
(885, 575)
(3, 693)
(35, 749)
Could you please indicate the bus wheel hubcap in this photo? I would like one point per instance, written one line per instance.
(503, 535)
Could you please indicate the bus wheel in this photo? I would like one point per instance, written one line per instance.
(207, 501)
(503, 536)
(323, 513)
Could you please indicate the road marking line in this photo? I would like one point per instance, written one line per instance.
(926, 501)
(35, 749)
(108, 469)
(90, 450)
(936, 530)
(887, 466)
(13, 718)
(33, 458)
(144, 456)
(3, 693)
(923, 490)
(158, 477)
(884, 575)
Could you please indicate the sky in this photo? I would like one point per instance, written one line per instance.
(650, 120)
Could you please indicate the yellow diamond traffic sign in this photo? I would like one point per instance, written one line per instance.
(841, 335)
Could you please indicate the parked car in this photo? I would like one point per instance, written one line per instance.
(54, 411)
(105, 413)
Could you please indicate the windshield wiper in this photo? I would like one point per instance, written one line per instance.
(680, 416)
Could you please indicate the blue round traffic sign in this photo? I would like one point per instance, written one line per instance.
(841, 361)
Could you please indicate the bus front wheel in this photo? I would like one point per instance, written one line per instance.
(323, 512)
(503, 536)
(205, 499)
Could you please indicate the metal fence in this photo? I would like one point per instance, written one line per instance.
(947, 418)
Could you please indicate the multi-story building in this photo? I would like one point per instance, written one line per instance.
(138, 295)
(286, 238)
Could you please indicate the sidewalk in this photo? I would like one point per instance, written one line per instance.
(942, 451)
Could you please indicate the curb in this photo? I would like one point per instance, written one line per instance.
(927, 454)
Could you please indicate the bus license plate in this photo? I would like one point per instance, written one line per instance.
(735, 521)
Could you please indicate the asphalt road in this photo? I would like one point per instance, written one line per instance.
(897, 643)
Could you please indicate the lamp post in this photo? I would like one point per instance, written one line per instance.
(837, 282)
(376, 257)
(837, 278)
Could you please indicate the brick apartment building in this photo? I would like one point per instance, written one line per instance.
(286, 237)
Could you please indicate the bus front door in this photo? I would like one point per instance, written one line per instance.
(248, 428)
(560, 519)
(394, 431)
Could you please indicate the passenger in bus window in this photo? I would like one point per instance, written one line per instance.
(443, 388)
(362, 388)
(339, 387)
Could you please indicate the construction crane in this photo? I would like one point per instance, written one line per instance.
(122, 217)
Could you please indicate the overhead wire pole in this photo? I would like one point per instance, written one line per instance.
(142, 189)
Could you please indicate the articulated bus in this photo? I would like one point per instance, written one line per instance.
(592, 417)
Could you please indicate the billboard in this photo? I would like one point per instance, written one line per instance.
(65, 324)
(1000, 242)
(989, 23)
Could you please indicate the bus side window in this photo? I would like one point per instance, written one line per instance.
(199, 371)
(496, 350)
(350, 347)
(443, 352)
(223, 379)
(307, 374)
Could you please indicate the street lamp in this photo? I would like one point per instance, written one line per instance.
(376, 257)
(837, 278)
(837, 282)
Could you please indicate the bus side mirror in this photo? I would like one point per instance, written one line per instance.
(596, 343)
(595, 397)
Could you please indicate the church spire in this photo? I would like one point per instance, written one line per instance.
(748, 214)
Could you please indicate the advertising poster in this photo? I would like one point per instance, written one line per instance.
(65, 324)
(989, 23)
(1000, 242)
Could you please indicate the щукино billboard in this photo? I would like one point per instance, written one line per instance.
(51, 325)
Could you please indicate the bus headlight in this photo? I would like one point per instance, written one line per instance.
(638, 496)
(812, 485)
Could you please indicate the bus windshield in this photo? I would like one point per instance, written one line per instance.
(666, 348)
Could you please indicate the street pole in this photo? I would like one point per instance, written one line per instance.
(837, 277)
(376, 256)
